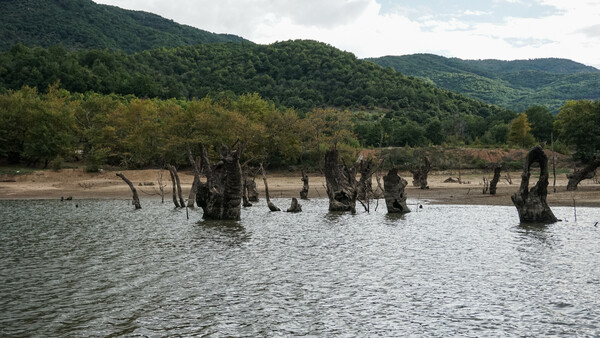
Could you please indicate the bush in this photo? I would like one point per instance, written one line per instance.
(57, 163)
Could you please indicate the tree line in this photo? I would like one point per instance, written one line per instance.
(124, 130)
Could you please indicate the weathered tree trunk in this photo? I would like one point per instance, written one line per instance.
(587, 172)
(495, 179)
(194, 189)
(420, 173)
(136, 199)
(304, 191)
(531, 204)
(365, 183)
(295, 206)
(174, 185)
(221, 196)
(250, 185)
(245, 202)
(270, 204)
(486, 185)
(393, 190)
(192, 196)
(341, 183)
(179, 193)
(161, 186)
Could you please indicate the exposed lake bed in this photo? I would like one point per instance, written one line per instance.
(102, 268)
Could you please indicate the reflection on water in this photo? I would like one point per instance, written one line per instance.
(106, 269)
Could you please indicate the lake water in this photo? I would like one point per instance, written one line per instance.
(104, 269)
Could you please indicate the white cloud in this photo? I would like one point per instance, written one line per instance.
(360, 27)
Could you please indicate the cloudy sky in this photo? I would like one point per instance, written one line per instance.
(468, 29)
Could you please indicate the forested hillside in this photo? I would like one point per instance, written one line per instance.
(85, 24)
(515, 85)
(298, 74)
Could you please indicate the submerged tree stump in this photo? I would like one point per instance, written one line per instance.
(136, 199)
(245, 202)
(304, 191)
(420, 173)
(341, 183)
(270, 204)
(495, 179)
(295, 206)
(365, 183)
(221, 196)
(587, 172)
(174, 185)
(393, 191)
(250, 186)
(531, 203)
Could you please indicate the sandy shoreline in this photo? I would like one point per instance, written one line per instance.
(78, 184)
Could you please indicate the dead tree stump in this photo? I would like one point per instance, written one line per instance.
(365, 183)
(393, 191)
(250, 186)
(341, 183)
(420, 173)
(245, 202)
(587, 172)
(221, 196)
(495, 179)
(295, 206)
(304, 191)
(174, 185)
(136, 199)
(270, 204)
(531, 203)
(192, 196)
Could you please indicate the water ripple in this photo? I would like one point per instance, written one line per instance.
(104, 269)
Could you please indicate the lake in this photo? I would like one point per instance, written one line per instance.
(105, 269)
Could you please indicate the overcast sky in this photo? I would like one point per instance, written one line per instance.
(468, 29)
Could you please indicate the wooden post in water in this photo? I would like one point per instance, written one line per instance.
(136, 199)
(270, 204)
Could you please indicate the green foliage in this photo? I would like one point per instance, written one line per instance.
(541, 121)
(497, 134)
(77, 24)
(578, 124)
(515, 85)
(36, 128)
(133, 133)
(304, 75)
(519, 132)
(57, 163)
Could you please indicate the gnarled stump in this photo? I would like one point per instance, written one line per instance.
(136, 199)
(221, 196)
(250, 186)
(420, 173)
(364, 190)
(495, 179)
(393, 190)
(341, 183)
(295, 206)
(304, 191)
(584, 173)
(531, 203)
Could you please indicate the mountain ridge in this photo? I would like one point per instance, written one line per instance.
(514, 85)
(82, 24)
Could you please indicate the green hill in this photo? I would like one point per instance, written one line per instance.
(296, 74)
(515, 85)
(77, 24)
(300, 74)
